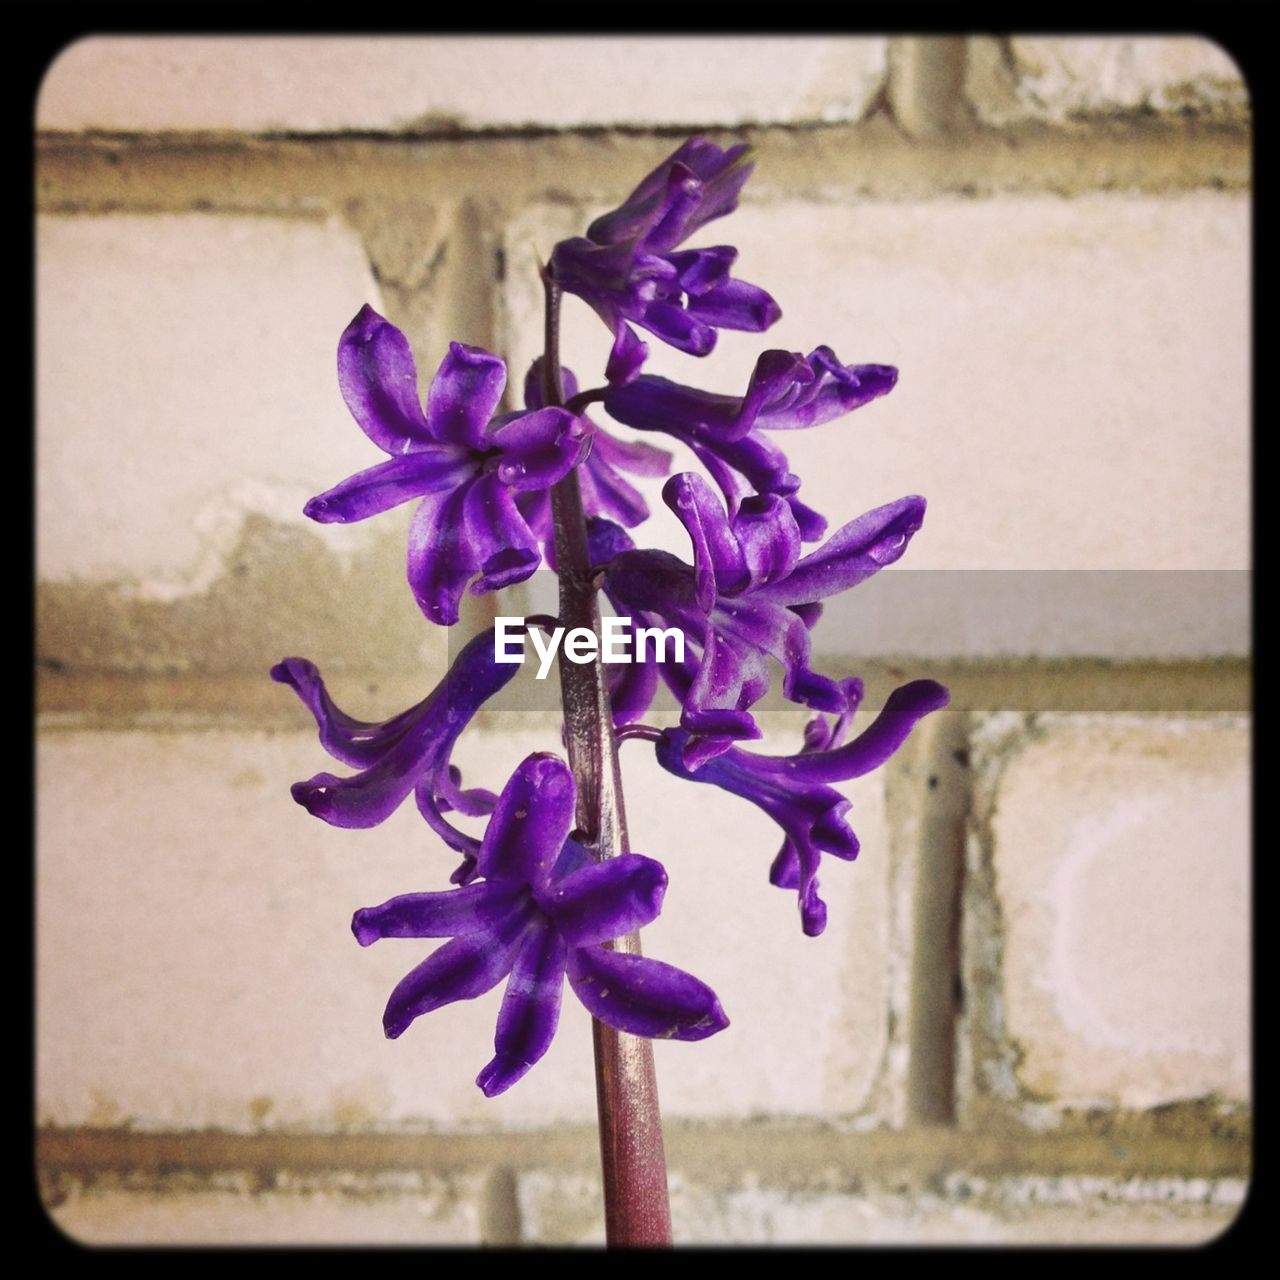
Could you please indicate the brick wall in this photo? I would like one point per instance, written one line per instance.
(1029, 1017)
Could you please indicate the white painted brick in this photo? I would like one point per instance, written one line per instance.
(565, 1209)
(327, 84)
(367, 1211)
(196, 967)
(1055, 78)
(185, 379)
(1121, 868)
(1073, 395)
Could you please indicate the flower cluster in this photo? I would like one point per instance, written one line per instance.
(532, 905)
(628, 270)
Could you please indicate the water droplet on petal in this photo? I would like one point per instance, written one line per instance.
(883, 551)
(510, 472)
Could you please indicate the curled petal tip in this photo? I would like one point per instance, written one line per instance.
(713, 1020)
(365, 934)
(501, 1074)
(313, 795)
(281, 673)
(813, 919)
(318, 509)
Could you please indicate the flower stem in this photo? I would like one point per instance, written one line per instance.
(633, 1160)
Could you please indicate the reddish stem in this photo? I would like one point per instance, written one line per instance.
(636, 1208)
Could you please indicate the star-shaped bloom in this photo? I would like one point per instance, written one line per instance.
(747, 597)
(795, 792)
(628, 270)
(465, 465)
(606, 491)
(538, 913)
(408, 753)
(787, 392)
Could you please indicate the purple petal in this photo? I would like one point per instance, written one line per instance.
(678, 327)
(605, 540)
(875, 744)
(796, 867)
(644, 997)
(530, 823)
(812, 525)
(651, 403)
(464, 395)
(437, 915)
(477, 529)
(862, 547)
(837, 389)
(606, 899)
(627, 354)
(433, 469)
(703, 269)
(636, 456)
(632, 685)
(358, 743)
(735, 304)
(540, 447)
(460, 970)
(680, 198)
(414, 752)
(475, 802)
(720, 172)
(777, 379)
(723, 172)
(809, 613)
(605, 492)
(766, 531)
(717, 559)
(530, 1011)
(459, 841)
(379, 382)
(438, 566)
(819, 735)
(714, 700)
(498, 541)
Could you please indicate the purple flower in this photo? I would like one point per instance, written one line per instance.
(787, 392)
(606, 491)
(465, 468)
(793, 790)
(409, 752)
(626, 268)
(749, 596)
(539, 913)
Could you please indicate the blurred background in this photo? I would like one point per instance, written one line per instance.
(1028, 1019)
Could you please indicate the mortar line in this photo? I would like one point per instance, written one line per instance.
(936, 962)
(801, 1153)
(873, 159)
(924, 86)
(500, 1208)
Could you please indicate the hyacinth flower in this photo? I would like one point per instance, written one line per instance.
(787, 392)
(628, 270)
(553, 881)
(748, 596)
(795, 790)
(538, 913)
(465, 468)
(408, 753)
(606, 491)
